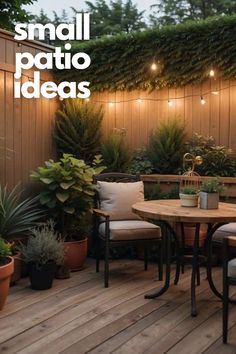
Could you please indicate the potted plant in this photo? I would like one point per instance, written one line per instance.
(189, 197)
(209, 194)
(17, 218)
(67, 194)
(6, 270)
(43, 253)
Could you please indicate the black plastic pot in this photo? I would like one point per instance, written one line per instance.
(41, 277)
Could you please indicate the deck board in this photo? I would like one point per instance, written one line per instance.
(79, 316)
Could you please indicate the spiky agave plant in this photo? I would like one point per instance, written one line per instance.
(17, 217)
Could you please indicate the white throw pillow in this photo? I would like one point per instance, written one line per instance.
(118, 198)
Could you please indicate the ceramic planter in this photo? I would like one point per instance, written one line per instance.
(41, 277)
(75, 254)
(188, 200)
(6, 272)
(209, 200)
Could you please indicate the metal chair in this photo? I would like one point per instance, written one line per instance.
(229, 278)
(113, 234)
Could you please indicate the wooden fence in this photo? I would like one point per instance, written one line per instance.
(217, 117)
(25, 124)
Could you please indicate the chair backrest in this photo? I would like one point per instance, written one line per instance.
(116, 177)
(112, 192)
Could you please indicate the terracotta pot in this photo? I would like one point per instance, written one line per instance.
(17, 268)
(75, 254)
(6, 272)
(189, 233)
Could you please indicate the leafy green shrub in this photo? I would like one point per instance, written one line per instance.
(67, 190)
(17, 217)
(140, 164)
(78, 129)
(211, 186)
(166, 146)
(115, 153)
(155, 192)
(189, 190)
(43, 247)
(217, 160)
(5, 248)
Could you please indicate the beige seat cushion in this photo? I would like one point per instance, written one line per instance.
(117, 198)
(225, 230)
(131, 230)
(232, 268)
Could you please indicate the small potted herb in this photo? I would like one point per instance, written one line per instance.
(209, 194)
(6, 270)
(43, 253)
(189, 197)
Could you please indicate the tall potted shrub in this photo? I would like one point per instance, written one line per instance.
(78, 129)
(17, 218)
(67, 195)
(6, 270)
(43, 253)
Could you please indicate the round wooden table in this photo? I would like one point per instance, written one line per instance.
(167, 212)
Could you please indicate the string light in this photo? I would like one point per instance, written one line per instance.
(154, 66)
(203, 101)
(170, 103)
(212, 73)
(87, 99)
(216, 93)
(139, 100)
(111, 104)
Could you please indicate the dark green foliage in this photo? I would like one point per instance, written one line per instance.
(78, 129)
(140, 164)
(115, 153)
(217, 160)
(211, 186)
(11, 12)
(17, 216)
(167, 12)
(67, 191)
(186, 53)
(114, 17)
(165, 148)
(153, 191)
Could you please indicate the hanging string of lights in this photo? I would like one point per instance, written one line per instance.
(170, 100)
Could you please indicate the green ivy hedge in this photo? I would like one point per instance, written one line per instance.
(186, 53)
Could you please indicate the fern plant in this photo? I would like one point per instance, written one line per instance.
(166, 146)
(115, 153)
(78, 129)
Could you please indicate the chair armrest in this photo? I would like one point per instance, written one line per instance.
(101, 213)
(231, 240)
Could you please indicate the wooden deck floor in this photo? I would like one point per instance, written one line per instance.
(78, 316)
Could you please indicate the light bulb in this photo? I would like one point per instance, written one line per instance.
(139, 100)
(154, 66)
(203, 101)
(170, 103)
(212, 73)
(216, 93)
(87, 99)
(111, 104)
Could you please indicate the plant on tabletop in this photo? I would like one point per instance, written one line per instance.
(6, 270)
(189, 197)
(210, 194)
(67, 194)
